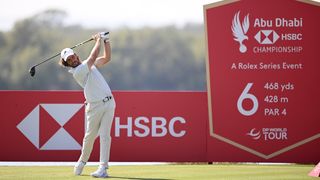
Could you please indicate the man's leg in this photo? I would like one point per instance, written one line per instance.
(105, 137)
(105, 142)
(92, 127)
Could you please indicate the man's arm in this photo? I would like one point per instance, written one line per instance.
(95, 51)
(102, 60)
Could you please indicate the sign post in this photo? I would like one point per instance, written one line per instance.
(263, 75)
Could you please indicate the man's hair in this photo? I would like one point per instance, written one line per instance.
(63, 63)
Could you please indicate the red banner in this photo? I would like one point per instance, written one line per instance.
(148, 126)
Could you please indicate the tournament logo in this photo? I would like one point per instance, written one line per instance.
(240, 30)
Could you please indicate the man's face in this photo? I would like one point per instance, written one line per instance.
(73, 61)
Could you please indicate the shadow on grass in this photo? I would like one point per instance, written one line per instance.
(134, 178)
(137, 178)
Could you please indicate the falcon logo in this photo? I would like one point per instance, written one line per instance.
(45, 126)
(240, 30)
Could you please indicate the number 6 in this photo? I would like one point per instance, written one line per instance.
(245, 95)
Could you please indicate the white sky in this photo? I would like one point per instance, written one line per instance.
(106, 13)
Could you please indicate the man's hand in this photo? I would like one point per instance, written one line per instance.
(96, 37)
(106, 57)
(95, 50)
(105, 36)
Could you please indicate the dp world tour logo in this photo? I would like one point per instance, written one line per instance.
(254, 134)
(51, 124)
(240, 30)
(269, 134)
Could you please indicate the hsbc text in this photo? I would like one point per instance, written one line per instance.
(155, 126)
(291, 37)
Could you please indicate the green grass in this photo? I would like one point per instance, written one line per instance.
(164, 172)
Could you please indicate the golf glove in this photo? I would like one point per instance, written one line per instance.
(105, 36)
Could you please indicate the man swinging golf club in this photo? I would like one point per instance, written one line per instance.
(100, 104)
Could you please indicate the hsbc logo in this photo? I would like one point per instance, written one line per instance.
(57, 126)
(266, 37)
(45, 126)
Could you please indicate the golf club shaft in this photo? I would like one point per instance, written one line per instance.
(59, 53)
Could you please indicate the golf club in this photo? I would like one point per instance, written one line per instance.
(32, 70)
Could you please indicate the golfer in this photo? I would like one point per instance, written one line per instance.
(100, 104)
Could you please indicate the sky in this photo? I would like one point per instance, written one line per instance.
(106, 13)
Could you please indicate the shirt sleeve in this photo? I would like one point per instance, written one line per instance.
(81, 73)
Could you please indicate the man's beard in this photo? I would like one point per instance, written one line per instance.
(75, 64)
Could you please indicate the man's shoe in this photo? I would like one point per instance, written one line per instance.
(78, 168)
(100, 173)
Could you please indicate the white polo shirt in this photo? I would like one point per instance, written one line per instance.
(95, 87)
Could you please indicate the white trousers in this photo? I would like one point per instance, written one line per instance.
(99, 117)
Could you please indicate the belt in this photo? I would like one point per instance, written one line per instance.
(107, 98)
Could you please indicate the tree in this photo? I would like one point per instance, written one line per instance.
(166, 58)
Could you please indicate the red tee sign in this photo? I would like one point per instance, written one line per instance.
(263, 74)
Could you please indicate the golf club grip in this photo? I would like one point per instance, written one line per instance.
(88, 40)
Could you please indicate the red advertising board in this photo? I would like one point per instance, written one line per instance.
(262, 74)
(148, 126)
